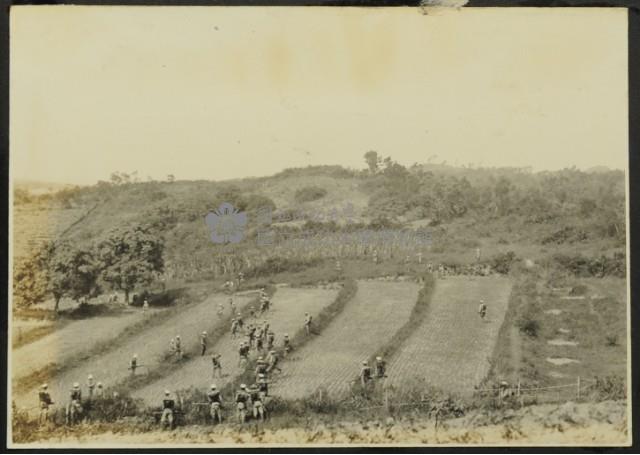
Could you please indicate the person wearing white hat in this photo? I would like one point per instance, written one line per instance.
(365, 373)
(242, 400)
(90, 385)
(215, 402)
(74, 408)
(45, 403)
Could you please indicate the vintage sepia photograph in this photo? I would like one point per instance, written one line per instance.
(241, 227)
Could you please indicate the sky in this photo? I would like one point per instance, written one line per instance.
(227, 92)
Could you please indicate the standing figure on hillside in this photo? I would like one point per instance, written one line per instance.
(217, 365)
(145, 306)
(256, 401)
(243, 353)
(99, 390)
(477, 254)
(270, 339)
(133, 364)
(482, 310)
(365, 373)
(240, 320)
(307, 323)
(215, 403)
(234, 327)
(168, 405)
(90, 385)
(203, 343)
(261, 367)
(375, 256)
(242, 400)
(178, 347)
(220, 309)
(45, 403)
(74, 408)
(381, 368)
(286, 344)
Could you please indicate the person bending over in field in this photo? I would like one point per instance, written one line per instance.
(365, 374)
(273, 362)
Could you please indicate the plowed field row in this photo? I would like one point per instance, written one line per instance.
(286, 316)
(334, 358)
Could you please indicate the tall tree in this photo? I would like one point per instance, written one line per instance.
(371, 157)
(130, 258)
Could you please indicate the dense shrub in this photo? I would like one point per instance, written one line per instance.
(309, 193)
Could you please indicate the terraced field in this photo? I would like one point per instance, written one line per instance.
(285, 316)
(332, 360)
(151, 345)
(71, 340)
(34, 225)
(452, 346)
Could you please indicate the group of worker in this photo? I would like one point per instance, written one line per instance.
(366, 375)
(74, 407)
(249, 401)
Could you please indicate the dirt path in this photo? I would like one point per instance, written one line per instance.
(332, 360)
(285, 316)
(452, 347)
(73, 339)
(150, 345)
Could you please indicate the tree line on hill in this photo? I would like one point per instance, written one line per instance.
(125, 259)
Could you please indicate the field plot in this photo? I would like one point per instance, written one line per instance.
(331, 360)
(34, 225)
(452, 347)
(73, 339)
(285, 316)
(151, 345)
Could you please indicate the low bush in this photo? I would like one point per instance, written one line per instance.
(309, 193)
